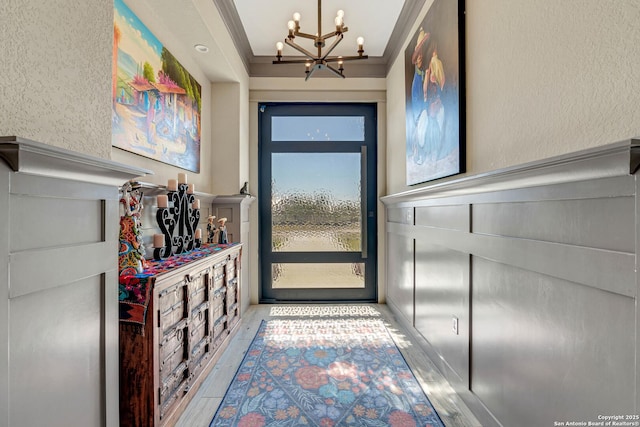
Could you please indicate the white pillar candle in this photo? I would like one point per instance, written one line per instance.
(182, 178)
(163, 201)
(172, 185)
(190, 189)
(196, 204)
(158, 240)
(198, 233)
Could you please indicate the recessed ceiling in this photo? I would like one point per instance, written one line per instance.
(256, 26)
(265, 23)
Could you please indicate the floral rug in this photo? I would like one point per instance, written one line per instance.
(324, 372)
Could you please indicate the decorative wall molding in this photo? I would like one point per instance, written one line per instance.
(59, 285)
(31, 157)
(617, 159)
(537, 265)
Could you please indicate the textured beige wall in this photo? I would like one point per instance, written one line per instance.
(543, 78)
(56, 82)
(226, 155)
(56, 72)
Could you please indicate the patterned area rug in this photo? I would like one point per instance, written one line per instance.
(324, 372)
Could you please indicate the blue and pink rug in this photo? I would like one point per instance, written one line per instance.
(324, 372)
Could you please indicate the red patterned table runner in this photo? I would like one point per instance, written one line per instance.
(135, 290)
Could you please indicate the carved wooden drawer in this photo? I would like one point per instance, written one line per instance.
(173, 349)
(173, 389)
(198, 330)
(171, 306)
(219, 298)
(230, 271)
(218, 276)
(198, 288)
(231, 292)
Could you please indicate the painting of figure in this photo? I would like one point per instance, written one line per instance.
(435, 95)
(156, 102)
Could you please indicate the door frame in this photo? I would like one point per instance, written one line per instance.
(266, 147)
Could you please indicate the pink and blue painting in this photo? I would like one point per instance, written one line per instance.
(434, 89)
(156, 102)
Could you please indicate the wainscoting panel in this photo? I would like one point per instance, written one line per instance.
(538, 265)
(400, 275)
(529, 220)
(442, 306)
(40, 364)
(52, 213)
(400, 215)
(451, 217)
(58, 286)
(549, 350)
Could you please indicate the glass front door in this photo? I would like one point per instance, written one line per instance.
(317, 203)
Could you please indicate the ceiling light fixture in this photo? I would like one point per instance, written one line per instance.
(201, 48)
(322, 60)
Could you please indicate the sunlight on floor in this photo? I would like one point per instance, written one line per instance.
(350, 310)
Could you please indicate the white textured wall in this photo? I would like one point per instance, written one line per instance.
(55, 85)
(543, 78)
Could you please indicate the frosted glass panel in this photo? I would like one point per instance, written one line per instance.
(314, 128)
(317, 276)
(315, 202)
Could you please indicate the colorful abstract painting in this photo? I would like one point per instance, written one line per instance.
(434, 83)
(156, 102)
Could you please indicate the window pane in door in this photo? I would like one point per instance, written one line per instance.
(317, 275)
(316, 202)
(317, 128)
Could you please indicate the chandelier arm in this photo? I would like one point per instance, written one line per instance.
(334, 71)
(300, 49)
(333, 45)
(331, 34)
(346, 58)
(310, 73)
(304, 35)
(292, 61)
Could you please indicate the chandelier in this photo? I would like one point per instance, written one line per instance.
(319, 61)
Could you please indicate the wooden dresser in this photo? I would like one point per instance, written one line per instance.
(175, 320)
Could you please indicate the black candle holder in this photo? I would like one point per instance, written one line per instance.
(178, 223)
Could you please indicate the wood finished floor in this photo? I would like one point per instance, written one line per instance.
(201, 409)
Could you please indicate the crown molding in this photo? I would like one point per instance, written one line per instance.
(401, 31)
(231, 18)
